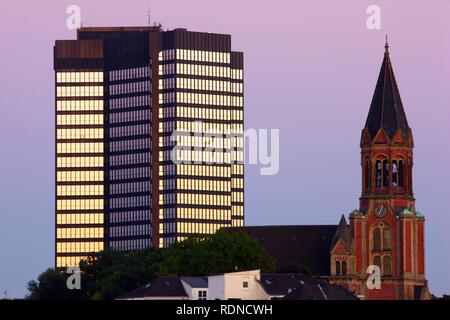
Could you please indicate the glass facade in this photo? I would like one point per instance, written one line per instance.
(130, 158)
(79, 165)
(200, 114)
(126, 98)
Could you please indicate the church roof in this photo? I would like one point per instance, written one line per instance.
(342, 233)
(307, 245)
(386, 110)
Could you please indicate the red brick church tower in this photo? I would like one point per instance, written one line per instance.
(386, 231)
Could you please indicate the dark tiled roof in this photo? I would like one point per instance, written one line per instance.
(342, 233)
(159, 287)
(302, 245)
(282, 284)
(320, 291)
(196, 282)
(386, 109)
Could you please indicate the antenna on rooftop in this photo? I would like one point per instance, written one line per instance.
(148, 16)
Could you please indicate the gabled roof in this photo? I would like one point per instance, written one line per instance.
(320, 291)
(342, 233)
(159, 287)
(282, 284)
(386, 110)
(196, 282)
(307, 245)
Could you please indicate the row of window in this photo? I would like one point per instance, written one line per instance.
(79, 91)
(203, 199)
(77, 176)
(231, 129)
(384, 263)
(130, 173)
(237, 223)
(200, 84)
(130, 202)
(130, 116)
(237, 210)
(130, 187)
(128, 231)
(184, 140)
(129, 216)
(129, 87)
(385, 170)
(195, 213)
(79, 119)
(129, 145)
(79, 190)
(79, 147)
(73, 77)
(79, 247)
(79, 233)
(195, 170)
(237, 169)
(200, 113)
(204, 98)
(194, 127)
(198, 184)
(79, 162)
(80, 133)
(79, 105)
(199, 157)
(129, 130)
(382, 238)
(68, 261)
(201, 70)
(79, 204)
(237, 183)
(194, 55)
(130, 73)
(133, 244)
(132, 158)
(192, 227)
(79, 218)
(237, 196)
(129, 102)
(237, 74)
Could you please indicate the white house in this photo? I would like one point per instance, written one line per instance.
(243, 285)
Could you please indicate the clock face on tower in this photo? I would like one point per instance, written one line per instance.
(380, 211)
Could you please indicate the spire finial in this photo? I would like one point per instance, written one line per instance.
(386, 46)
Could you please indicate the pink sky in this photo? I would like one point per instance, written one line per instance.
(310, 70)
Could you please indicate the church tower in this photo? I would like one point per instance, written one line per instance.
(386, 231)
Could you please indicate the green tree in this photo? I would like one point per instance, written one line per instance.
(109, 274)
(51, 285)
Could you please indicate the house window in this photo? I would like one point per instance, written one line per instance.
(202, 295)
(344, 268)
(386, 265)
(394, 174)
(376, 239)
(367, 176)
(377, 261)
(385, 174)
(338, 267)
(245, 284)
(387, 239)
(378, 173)
(400, 173)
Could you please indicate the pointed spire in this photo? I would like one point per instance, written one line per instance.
(386, 46)
(386, 110)
(342, 233)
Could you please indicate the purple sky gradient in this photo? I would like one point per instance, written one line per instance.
(310, 70)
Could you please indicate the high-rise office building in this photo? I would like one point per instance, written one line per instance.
(149, 138)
